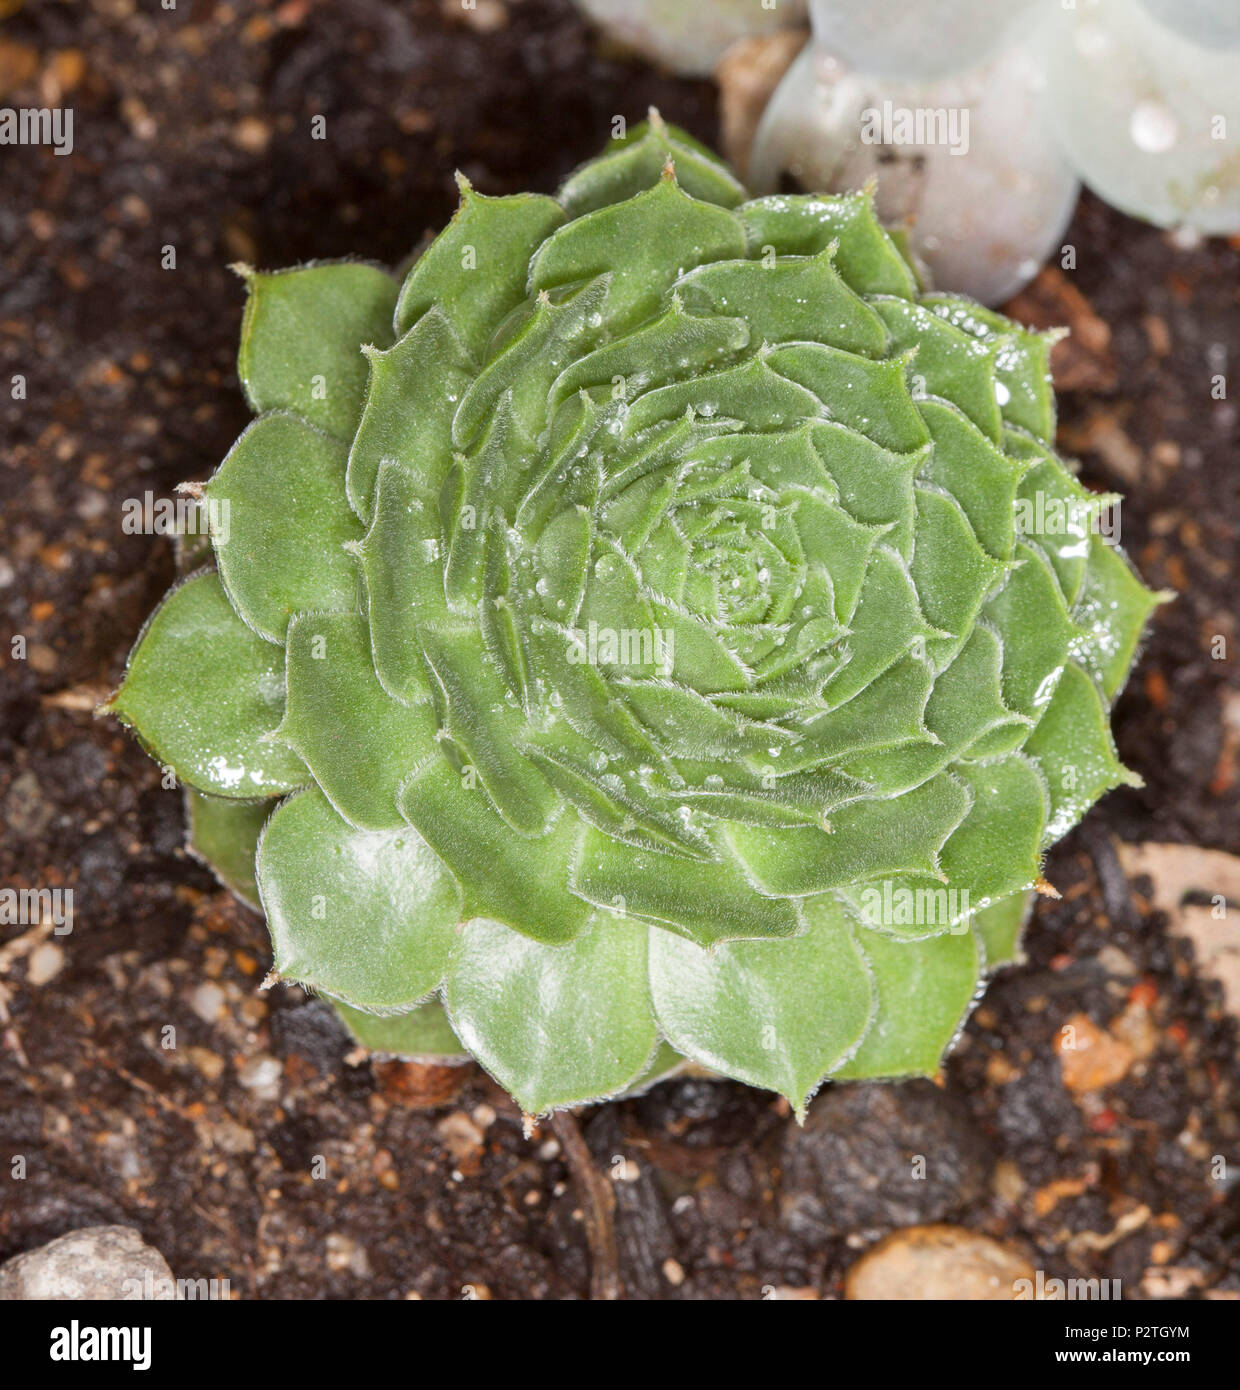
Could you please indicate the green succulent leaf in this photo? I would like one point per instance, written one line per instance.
(998, 929)
(637, 160)
(1022, 367)
(411, 399)
(284, 524)
(1072, 746)
(474, 272)
(1110, 615)
(302, 338)
(366, 916)
(672, 622)
(864, 839)
(704, 900)
(554, 1024)
(805, 224)
(224, 835)
(205, 695)
(924, 990)
(356, 740)
(423, 1034)
(778, 1014)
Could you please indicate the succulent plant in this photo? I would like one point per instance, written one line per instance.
(654, 629)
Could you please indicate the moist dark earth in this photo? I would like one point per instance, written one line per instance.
(262, 1148)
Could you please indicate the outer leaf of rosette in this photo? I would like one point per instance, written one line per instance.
(224, 836)
(636, 161)
(475, 270)
(366, 916)
(204, 694)
(947, 361)
(302, 335)
(1022, 366)
(641, 245)
(1054, 511)
(924, 990)
(519, 881)
(998, 928)
(705, 900)
(555, 1025)
(423, 1034)
(866, 839)
(412, 395)
(280, 523)
(1036, 630)
(1072, 746)
(994, 851)
(778, 1014)
(803, 225)
(358, 741)
(1111, 612)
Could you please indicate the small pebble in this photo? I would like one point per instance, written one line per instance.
(207, 1001)
(937, 1262)
(45, 963)
(96, 1262)
(262, 1075)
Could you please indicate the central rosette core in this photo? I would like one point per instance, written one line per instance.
(733, 570)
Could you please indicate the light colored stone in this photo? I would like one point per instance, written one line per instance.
(97, 1262)
(1176, 871)
(262, 1075)
(937, 1262)
(207, 1001)
(45, 963)
(1089, 1057)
